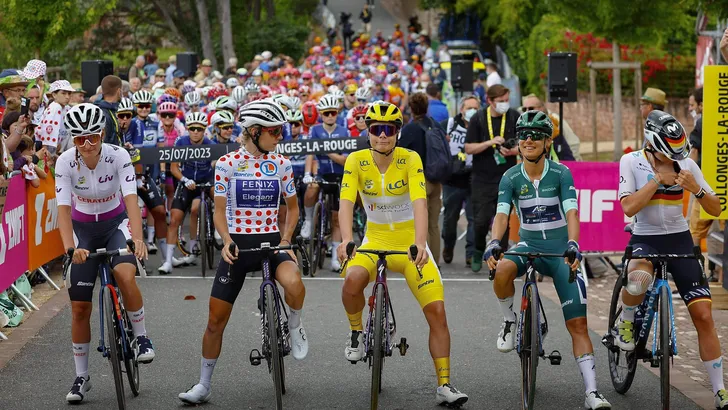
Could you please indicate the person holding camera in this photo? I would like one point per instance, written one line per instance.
(491, 140)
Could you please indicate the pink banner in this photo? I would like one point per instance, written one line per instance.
(600, 213)
(703, 57)
(13, 234)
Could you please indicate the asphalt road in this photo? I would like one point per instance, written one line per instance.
(40, 376)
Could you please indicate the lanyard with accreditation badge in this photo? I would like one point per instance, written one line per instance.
(497, 156)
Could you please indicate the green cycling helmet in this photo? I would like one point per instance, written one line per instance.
(535, 121)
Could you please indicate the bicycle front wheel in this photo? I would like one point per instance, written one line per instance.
(665, 347)
(622, 364)
(529, 348)
(130, 362)
(378, 346)
(276, 353)
(202, 236)
(113, 334)
(314, 243)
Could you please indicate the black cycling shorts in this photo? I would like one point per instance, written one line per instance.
(333, 190)
(111, 234)
(226, 287)
(183, 197)
(685, 272)
(151, 196)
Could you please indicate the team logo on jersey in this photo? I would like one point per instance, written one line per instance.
(268, 168)
(219, 187)
(82, 180)
(368, 184)
(397, 187)
(290, 188)
(242, 166)
(524, 189)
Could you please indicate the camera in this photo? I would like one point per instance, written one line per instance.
(510, 143)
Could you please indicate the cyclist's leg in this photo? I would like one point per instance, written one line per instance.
(194, 219)
(640, 274)
(687, 276)
(359, 272)
(182, 200)
(289, 277)
(506, 272)
(155, 205)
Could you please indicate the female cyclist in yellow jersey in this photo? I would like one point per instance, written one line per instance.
(391, 183)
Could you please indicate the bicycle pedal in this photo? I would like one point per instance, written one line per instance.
(403, 346)
(654, 363)
(352, 361)
(255, 357)
(554, 358)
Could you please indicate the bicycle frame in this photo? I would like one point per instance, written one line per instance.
(109, 284)
(531, 283)
(269, 280)
(381, 280)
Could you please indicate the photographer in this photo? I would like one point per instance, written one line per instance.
(491, 139)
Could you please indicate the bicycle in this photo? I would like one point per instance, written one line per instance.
(380, 329)
(531, 331)
(206, 230)
(275, 338)
(656, 306)
(112, 313)
(320, 226)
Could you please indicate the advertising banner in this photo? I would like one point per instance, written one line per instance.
(13, 234)
(715, 135)
(44, 237)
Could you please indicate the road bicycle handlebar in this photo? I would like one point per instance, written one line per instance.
(697, 254)
(380, 253)
(535, 255)
(103, 252)
(265, 247)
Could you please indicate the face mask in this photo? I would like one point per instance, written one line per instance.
(502, 107)
(469, 114)
(694, 114)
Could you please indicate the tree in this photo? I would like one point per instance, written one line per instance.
(207, 49)
(41, 26)
(223, 14)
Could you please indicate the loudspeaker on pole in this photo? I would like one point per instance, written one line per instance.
(187, 62)
(562, 77)
(92, 72)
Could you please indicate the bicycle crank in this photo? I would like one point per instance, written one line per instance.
(255, 357)
(402, 346)
(554, 358)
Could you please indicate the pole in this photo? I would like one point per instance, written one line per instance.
(593, 92)
(637, 95)
(617, 99)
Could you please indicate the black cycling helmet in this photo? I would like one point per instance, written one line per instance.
(666, 135)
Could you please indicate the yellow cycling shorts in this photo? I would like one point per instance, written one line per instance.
(426, 290)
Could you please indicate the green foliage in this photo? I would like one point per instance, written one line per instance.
(36, 28)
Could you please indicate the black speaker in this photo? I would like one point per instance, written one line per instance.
(187, 62)
(461, 75)
(562, 77)
(92, 72)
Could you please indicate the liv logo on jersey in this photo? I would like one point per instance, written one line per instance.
(219, 187)
(268, 168)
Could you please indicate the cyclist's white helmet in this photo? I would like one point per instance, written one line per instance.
(328, 102)
(363, 94)
(339, 95)
(252, 87)
(239, 94)
(266, 113)
(332, 89)
(193, 98)
(84, 119)
(195, 118)
(226, 103)
(232, 82)
(295, 103)
(367, 83)
(125, 105)
(222, 117)
(142, 97)
(294, 116)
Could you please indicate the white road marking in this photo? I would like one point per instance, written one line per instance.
(328, 278)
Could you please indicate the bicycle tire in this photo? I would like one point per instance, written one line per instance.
(202, 236)
(130, 361)
(665, 347)
(315, 241)
(182, 244)
(529, 349)
(276, 357)
(210, 241)
(114, 341)
(621, 383)
(378, 346)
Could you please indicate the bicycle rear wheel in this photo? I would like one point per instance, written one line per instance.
(529, 348)
(276, 353)
(202, 236)
(130, 356)
(113, 334)
(622, 365)
(378, 346)
(665, 347)
(314, 243)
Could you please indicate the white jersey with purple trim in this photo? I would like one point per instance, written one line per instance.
(95, 194)
(253, 186)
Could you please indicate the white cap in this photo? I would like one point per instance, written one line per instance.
(232, 82)
(257, 72)
(158, 85)
(266, 55)
(218, 75)
(62, 85)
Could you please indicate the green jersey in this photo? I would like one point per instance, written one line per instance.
(542, 204)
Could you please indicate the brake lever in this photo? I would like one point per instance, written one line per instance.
(413, 251)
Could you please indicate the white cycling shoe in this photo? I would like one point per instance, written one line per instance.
(505, 337)
(78, 391)
(306, 229)
(196, 394)
(594, 401)
(625, 335)
(190, 259)
(447, 394)
(178, 262)
(335, 264)
(165, 269)
(299, 343)
(152, 248)
(355, 346)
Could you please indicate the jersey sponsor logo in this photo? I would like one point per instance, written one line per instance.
(128, 164)
(364, 164)
(257, 193)
(219, 188)
(401, 162)
(59, 189)
(224, 279)
(243, 175)
(130, 178)
(290, 188)
(369, 193)
(106, 178)
(399, 186)
(420, 170)
(549, 189)
(86, 284)
(368, 184)
(95, 200)
(108, 159)
(524, 189)
(425, 283)
(389, 208)
(422, 185)
(541, 214)
(347, 172)
(242, 166)
(268, 168)
(344, 185)
(81, 180)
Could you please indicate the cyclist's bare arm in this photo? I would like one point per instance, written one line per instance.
(291, 218)
(175, 171)
(420, 210)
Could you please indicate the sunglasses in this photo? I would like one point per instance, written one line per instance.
(388, 130)
(167, 115)
(532, 108)
(225, 127)
(359, 118)
(330, 113)
(274, 131)
(295, 124)
(533, 134)
(144, 106)
(351, 95)
(125, 116)
(80, 140)
(304, 95)
(195, 129)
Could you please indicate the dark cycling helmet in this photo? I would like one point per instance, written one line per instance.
(666, 135)
(535, 122)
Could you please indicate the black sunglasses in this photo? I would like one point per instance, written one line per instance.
(143, 106)
(295, 124)
(196, 129)
(124, 116)
(329, 113)
(225, 127)
(532, 108)
(533, 134)
(167, 115)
